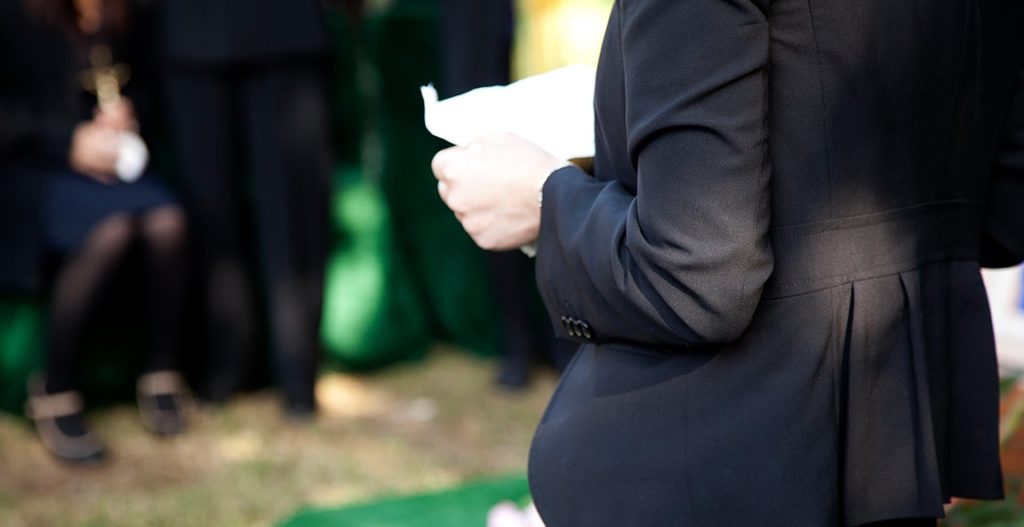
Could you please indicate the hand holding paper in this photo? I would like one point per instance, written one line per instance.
(508, 141)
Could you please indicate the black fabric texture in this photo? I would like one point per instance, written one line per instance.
(229, 32)
(777, 264)
(259, 133)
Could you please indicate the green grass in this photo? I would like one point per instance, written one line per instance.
(465, 506)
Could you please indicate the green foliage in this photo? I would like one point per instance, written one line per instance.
(1005, 513)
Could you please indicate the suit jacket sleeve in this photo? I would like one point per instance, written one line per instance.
(684, 260)
(1003, 238)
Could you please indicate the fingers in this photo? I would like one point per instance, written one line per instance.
(454, 200)
(445, 159)
(446, 167)
(442, 190)
(118, 116)
(442, 160)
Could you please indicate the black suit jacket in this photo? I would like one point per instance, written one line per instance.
(219, 32)
(774, 270)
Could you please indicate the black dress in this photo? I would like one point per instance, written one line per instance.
(46, 206)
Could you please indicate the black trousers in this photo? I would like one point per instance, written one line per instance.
(476, 44)
(259, 131)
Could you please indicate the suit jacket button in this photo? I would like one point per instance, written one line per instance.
(585, 330)
(577, 326)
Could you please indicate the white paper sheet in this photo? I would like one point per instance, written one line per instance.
(553, 110)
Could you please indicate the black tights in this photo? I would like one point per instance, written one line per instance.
(84, 275)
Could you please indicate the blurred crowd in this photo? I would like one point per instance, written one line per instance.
(146, 144)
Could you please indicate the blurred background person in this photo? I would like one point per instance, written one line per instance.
(68, 222)
(476, 51)
(246, 95)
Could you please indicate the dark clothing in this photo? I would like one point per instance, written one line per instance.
(84, 228)
(270, 123)
(1002, 243)
(74, 204)
(247, 96)
(774, 271)
(218, 32)
(476, 41)
(37, 115)
(41, 101)
(476, 44)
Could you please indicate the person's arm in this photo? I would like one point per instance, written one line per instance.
(1003, 238)
(683, 262)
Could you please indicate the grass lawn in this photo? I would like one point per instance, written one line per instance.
(412, 428)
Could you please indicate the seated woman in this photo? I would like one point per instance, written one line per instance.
(63, 204)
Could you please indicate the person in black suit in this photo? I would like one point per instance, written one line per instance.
(67, 223)
(246, 94)
(774, 269)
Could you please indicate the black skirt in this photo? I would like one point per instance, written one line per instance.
(74, 204)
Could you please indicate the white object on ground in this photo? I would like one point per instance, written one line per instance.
(506, 514)
(533, 517)
(132, 158)
(553, 110)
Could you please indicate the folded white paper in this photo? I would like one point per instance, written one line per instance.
(553, 110)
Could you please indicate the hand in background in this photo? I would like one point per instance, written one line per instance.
(94, 151)
(117, 116)
(492, 186)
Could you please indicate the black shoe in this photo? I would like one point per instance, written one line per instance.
(60, 422)
(163, 397)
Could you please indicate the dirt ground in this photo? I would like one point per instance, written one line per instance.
(412, 428)
(415, 427)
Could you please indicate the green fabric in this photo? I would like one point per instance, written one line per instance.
(465, 506)
(403, 273)
(108, 372)
(19, 349)
(372, 314)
